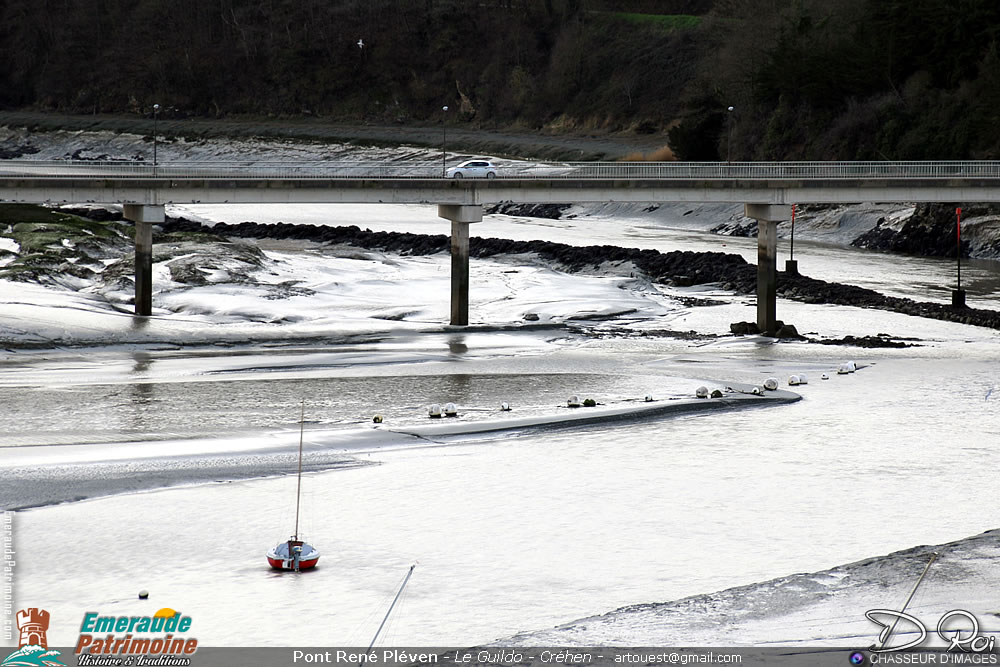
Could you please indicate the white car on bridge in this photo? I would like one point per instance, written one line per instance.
(472, 169)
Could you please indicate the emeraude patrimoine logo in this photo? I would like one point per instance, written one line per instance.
(33, 648)
(162, 634)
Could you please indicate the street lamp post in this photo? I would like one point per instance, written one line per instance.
(729, 137)
(156, 111)
(444, 144)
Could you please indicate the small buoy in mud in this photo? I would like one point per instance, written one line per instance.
(843, 369)
(824, 376)
(793, 380)
(851, 367)
(803, 379)
(716, 393)
(573, 401)
(757, 391)
(377, 419)
(589, 403)
(771, 384)
(505, 407)
(701, 392)
(450, 410)
(434, 411)
(649, 398)
(143, 594)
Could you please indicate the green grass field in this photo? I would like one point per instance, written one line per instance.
(667, 22)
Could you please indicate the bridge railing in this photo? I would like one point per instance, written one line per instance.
(679, 171)
(228, 170)
(761, 170)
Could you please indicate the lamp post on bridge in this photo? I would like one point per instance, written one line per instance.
(156, 111)
(729, 135)
(444, 143)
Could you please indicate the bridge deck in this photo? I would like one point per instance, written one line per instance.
(768, 183)
(766, 189)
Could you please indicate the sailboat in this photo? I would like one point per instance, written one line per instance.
(294, 554)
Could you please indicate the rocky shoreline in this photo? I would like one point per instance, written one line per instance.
(929, 231)
(41, 261)
(499, 142)
(679, 268)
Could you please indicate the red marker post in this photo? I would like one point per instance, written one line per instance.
(958, 295)
(791, 266)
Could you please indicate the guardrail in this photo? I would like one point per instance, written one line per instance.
(603, 171)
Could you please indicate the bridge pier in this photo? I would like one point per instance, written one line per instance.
(461, 216)
(144, 216)
(767, 216)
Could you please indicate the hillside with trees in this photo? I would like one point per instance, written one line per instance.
(807, 79)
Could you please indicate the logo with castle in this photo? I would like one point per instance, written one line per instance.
(33, 649)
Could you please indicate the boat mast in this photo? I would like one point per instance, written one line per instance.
(913, 592)
(394, 600)
(298, 487)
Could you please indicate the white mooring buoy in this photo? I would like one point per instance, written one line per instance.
(434, 411)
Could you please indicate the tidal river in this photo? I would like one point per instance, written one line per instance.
(512, 532)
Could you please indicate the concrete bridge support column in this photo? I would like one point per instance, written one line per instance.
(144, 216)
(461, 216)
(767, 216)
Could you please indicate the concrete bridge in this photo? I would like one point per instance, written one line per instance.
(766, 189)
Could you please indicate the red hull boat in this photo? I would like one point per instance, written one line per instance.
(294, 554)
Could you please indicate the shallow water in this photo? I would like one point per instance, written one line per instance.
(518, 533)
